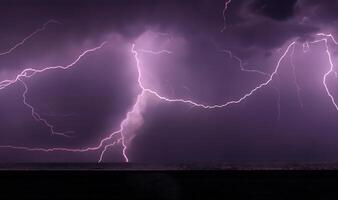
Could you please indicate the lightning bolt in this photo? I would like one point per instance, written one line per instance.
(22, 42)
(330, 36)
(170, 100)
(242, 68)
(155, 52)
(255, 71)
(122, 133)
(196, 104)
(5, 83)
(331, 69)
(106, 148)
(37, 117)
(226, 5)
(30, 72)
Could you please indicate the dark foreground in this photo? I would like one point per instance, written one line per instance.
(137, 181)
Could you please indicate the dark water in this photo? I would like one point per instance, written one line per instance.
(147, 181)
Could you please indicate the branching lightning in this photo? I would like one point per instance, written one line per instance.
(30, 72)
(240, 62)
(196, 104)
(121, 136)
(104, 143)
(331, 69)
(37, 117)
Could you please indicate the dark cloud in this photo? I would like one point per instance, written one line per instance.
(324, 10)
(275, 9)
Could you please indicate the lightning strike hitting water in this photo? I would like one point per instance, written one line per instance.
(106, 148)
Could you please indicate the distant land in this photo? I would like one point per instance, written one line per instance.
(170, 167)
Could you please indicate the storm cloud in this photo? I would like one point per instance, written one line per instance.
(93, 97)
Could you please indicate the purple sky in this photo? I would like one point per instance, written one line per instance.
(275, 124)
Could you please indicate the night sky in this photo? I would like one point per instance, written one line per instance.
(291, 119)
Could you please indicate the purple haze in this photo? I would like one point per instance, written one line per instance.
(168, 63)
